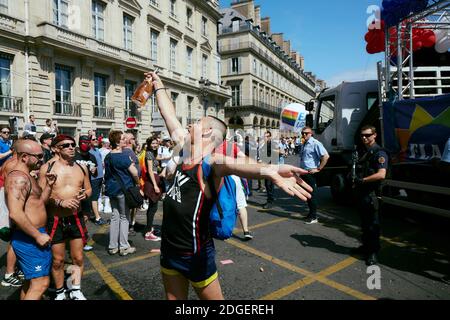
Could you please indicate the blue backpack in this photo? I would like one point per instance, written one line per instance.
(222, 217)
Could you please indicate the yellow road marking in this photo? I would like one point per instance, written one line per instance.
(310, 276)
(123, 263)
(107, 277)
(236, 230)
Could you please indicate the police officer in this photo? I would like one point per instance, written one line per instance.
(373, 166)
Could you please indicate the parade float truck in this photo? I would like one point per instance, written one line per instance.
(409, 105)
(413, 131)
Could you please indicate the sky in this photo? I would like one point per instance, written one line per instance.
(328, 33)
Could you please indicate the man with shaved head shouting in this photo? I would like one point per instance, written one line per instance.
(187, 248)
(26, 204)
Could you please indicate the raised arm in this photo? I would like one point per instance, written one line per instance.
(46, 182)
(166, 108)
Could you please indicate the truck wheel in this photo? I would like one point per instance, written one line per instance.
(338, 188)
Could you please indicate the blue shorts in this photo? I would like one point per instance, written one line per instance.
(34, 261)
(200, 269)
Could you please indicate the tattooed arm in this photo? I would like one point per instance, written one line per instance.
(17, 191)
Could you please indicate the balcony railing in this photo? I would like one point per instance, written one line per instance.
(254, 103)
(133, 114)
(103, 113)
(68, 109)
(11, 104)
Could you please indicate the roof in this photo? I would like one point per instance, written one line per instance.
(228, 15)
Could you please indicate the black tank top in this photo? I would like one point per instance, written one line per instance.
(185, 227)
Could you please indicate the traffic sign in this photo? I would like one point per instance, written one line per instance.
(131, 123)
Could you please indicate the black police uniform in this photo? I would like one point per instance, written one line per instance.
(368, 205)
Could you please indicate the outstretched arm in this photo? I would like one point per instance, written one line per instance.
(166, 108)
(285, 177)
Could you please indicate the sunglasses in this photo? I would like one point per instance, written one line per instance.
(5, 132)
(94, 139)
(67, 145)
(39, 156)
(305, 133)
(366, 135)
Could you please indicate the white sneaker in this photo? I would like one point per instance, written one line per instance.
(87, 248)
(311, 221)
(77, 295)
(61, 296)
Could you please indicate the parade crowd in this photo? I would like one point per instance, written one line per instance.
(54, 186)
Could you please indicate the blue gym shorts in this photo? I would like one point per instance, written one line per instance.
(200, 269)
(34, 261)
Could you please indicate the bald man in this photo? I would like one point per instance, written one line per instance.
(26, 204)
(65, 221)
(187, 249)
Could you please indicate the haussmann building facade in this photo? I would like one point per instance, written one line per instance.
(79, 61)
(264, 74)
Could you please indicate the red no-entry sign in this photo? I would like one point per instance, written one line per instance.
(131, 123)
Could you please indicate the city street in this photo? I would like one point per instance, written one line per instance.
(287, 259)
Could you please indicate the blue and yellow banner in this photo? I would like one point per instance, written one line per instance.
(416, 129)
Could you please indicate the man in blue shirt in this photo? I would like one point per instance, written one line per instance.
(5, 144)
(313, 157)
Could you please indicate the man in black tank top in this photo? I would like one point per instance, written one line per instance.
(187, 249)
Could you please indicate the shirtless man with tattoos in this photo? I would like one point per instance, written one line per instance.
(26, 204)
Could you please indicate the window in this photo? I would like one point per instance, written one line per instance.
(98, 20)
(204, 27)
(4, 6)
(189, 53)
(154, 45)
(235, 65)
(189, 115)
(174, 96)
(236, 95)
(173, 8)
(63, 85)
(261, 70)
(5, 83)
(130, 108)
(205, 66)
(189, 17)
(61, 13)
(154, 3)
(326, 113)
(372, 99)
(173, 54)
(254, 66)
(205, 107)
(153, 105)
(100, 90)
(127, 32)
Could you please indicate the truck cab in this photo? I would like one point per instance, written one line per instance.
(339, 112)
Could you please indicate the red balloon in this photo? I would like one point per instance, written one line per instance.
(428, 38)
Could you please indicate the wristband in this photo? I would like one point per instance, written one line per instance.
(163, 88)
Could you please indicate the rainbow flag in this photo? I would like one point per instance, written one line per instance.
(289, 117)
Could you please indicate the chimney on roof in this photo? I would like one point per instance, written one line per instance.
(287, 46)
(278, 38)
(257, 10)
(246, 8)
(265, 25)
